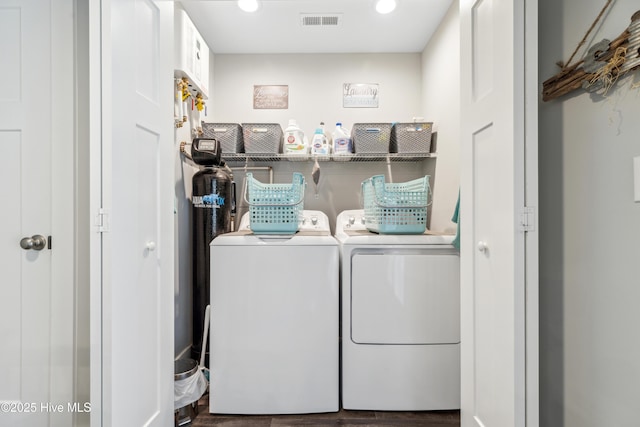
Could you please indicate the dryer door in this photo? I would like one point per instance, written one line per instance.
(405, 297)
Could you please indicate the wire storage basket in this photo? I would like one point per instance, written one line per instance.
(411, 138)
(262, 138)
(275, 208)
(396, 208)
(371, 138)
(229, 135)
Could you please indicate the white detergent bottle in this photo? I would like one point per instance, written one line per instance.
(342, 142)
(327, 135)
(294, 143)
(319, 144)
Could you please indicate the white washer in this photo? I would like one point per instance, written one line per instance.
(274, 321)
(400, 319)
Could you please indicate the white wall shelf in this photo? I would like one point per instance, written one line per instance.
(358, 157)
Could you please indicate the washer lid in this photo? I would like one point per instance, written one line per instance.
(245, 238)
(410, 297)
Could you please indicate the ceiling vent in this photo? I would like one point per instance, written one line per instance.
(321, 20)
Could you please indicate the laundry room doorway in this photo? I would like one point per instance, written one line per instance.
(494, 151)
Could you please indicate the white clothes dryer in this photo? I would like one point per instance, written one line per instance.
(274, 321)
(400, 319)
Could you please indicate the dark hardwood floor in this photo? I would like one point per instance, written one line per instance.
(342, 418)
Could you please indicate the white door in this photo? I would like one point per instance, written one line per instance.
(137, 198)
(499, 104)
(36, 159)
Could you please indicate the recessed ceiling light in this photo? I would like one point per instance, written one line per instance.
(385, 6)
(248, 5)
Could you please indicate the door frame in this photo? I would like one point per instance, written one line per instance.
(532, 276)
(98, 17)
(62, 339)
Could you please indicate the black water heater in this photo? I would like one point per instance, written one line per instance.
(211, 206)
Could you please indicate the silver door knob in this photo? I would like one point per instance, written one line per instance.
(35, 242)
(483, 247)
(151, 246)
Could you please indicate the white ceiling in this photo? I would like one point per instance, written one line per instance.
(276, 27)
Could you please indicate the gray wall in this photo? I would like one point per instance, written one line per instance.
(315, 87)
(589, 233)
(441, 103)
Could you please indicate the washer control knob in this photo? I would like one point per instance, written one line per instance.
(314, 220)
(352, 220)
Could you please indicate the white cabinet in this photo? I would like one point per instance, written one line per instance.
(191, 54)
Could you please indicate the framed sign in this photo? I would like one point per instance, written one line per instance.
(270, 97)
(360, 95)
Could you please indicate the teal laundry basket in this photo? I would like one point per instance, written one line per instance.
(396, 208)
(275, 208)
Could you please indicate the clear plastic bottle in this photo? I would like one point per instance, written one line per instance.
(342, 142)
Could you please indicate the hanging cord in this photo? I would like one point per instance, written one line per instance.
(584, 39)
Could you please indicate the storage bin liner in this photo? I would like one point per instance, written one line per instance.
(188, 390)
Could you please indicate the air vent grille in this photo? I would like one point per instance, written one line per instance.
(325, 20)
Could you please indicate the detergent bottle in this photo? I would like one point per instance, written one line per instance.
(319, 143)
(294, 143)
(342, 142)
